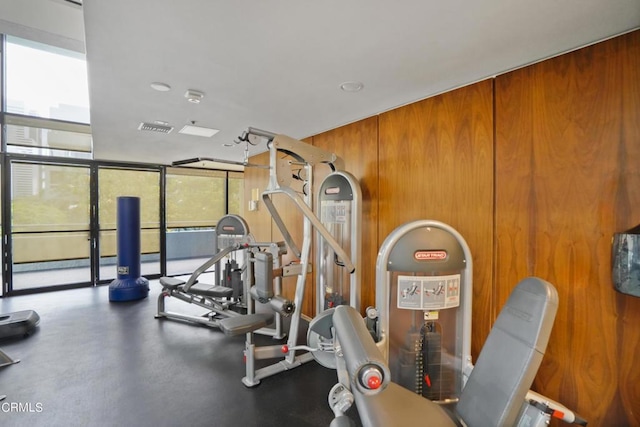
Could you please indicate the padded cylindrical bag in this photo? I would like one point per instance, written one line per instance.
(625, 262)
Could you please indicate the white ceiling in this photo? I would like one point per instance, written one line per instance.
(277, 65)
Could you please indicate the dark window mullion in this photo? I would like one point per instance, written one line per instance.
(94, 222)
(163, 221)
(7, 259)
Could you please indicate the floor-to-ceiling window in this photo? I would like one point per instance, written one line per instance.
(195, 201)
(46, 142)
(44, 81)
(59, 205)
(50, 224)
(235, 196)
(144, 184)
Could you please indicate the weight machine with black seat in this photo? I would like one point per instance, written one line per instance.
(302, 157)
(229, 295)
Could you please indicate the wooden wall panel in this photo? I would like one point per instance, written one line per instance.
(259, 221)
(628, 215)
(357, 145)
(567, 156)
(436, 162)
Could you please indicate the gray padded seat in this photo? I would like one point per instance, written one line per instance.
(238, 325)
(498, 384)
(210, 291)
(510, 357)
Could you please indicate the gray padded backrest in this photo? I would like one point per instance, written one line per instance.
(510, 357)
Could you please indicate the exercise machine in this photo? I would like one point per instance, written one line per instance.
(421, 327)
(496, 393)
(6, 360)
(301, 158)
(423, 288)
(359, 363)
(437, 339)
(228, 296)
(339, 202)
(19, 324)
(424, 285)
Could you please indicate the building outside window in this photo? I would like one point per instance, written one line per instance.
(53, 216)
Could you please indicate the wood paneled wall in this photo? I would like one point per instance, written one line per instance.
(436, 162)
(567, 179)
(537, 169)
(259, 221)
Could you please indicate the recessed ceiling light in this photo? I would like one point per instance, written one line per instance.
(160, 87)
(352, 86)
(198, 131)
(194, 96)
(227, 145)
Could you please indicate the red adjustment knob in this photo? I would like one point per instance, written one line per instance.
(374, 382)
(371, 378)
(285, 349)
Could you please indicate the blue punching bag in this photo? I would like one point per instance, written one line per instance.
(129, 285)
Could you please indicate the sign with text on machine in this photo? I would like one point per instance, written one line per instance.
(428, 292)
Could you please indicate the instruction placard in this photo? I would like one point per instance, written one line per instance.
(428, 292)
(335, 211)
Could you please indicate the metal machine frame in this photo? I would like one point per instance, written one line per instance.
(303, 157)
(362, 363)
(232, 234)
(339, 190)
(540, 408)
(6, 360)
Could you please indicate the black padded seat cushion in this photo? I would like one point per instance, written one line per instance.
(211, 291)
(171, 283)
(237, 325)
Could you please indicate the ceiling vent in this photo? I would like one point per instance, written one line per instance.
(153, 127)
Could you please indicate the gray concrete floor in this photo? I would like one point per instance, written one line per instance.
(96, 363)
